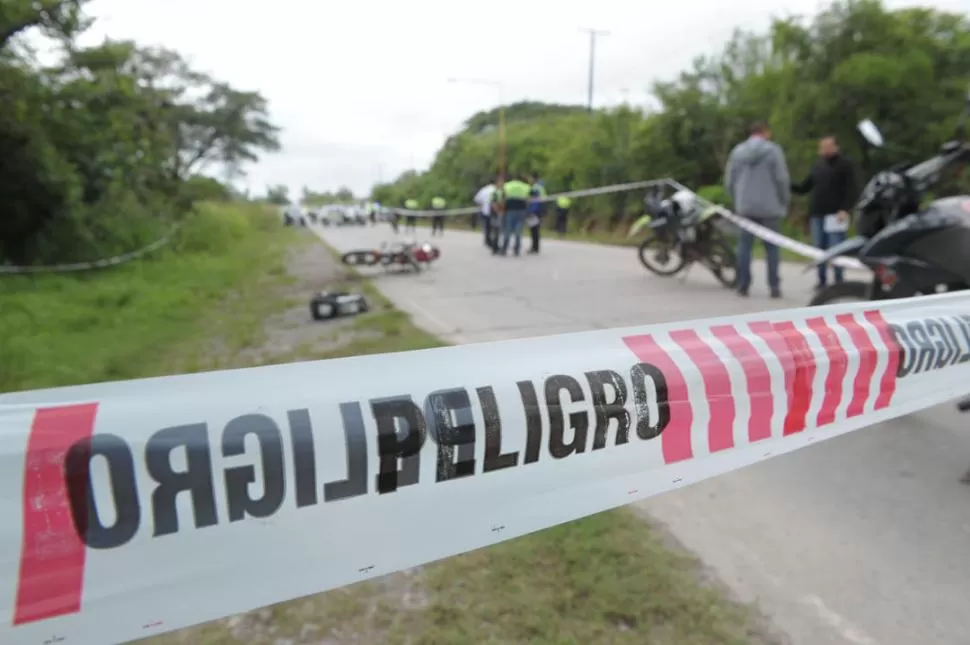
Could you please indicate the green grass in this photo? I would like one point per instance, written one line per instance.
(148, 317)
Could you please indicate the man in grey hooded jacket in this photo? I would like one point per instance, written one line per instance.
(757, 180)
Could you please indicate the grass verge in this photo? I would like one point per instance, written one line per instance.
(148, 317)
(215, 296)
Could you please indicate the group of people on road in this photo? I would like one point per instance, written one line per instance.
(411, 221)
(508, 207)
(760, 187)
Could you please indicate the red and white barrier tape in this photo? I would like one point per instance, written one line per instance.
(139, 507)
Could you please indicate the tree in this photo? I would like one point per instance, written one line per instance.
(103, 150)
(907, 70)
(279, 195)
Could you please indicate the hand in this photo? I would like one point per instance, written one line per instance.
(842, 215)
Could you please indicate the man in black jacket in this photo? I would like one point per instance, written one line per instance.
(832, 182)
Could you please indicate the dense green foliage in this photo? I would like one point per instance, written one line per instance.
(102, 150)
(907, 70)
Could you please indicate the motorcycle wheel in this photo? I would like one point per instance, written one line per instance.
(851, 291)
(361, 258)
(722, 263)
(667, 268)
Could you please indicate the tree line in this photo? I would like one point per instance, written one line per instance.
(103, 150)
(908, 70)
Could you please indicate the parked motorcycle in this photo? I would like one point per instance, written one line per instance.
(398, 254)
(682, 232)
(911, 250)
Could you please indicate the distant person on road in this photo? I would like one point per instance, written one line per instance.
(757, 180)
(438, 221)
(411, 221)
(396, 221)
(484, 200)
(514, 196)
(562, 214)
(536, 209)
(833, 187)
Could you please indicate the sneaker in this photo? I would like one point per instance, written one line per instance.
(776, 293)
(743, 292)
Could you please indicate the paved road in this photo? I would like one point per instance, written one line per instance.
(864, 540)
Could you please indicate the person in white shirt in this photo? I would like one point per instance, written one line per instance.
(484, 200)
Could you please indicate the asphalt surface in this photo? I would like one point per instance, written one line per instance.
(863, 540)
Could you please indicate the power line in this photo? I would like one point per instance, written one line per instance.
(593, 33)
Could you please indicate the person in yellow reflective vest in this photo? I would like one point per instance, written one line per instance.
(562, 214)
(514, 196)
(438, 221)
(411, 221)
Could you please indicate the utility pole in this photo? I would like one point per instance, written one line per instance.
(593, 33)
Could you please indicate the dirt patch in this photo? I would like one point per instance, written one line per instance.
(286, 331)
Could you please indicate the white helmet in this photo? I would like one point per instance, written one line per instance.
(685, 200)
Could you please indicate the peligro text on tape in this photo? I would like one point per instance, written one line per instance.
(151, 505)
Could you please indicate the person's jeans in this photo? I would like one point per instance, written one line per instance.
(825, 240)
(772, 255)
(512, 224)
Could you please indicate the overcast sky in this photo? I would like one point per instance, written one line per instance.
(361, 89)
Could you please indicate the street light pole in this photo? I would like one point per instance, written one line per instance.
(593, 33)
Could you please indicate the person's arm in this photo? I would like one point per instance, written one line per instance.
(804, 185)
(781, 177)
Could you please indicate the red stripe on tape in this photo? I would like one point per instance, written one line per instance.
(758, 380)
(838, 366)
(803, 383)
(717, 386)
(887, 383)
(675, 439)
(867, 363)
(779, 347)
(52, 558)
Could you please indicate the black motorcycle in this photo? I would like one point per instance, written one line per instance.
(682, 233)
(911, 250)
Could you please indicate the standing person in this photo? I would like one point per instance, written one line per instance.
(514, 196)
(396, 221)
(411, 221)
(496, 214)
(438, 221)
(537, 208)
(832, 182)
(758, 183)
(562, 214)
(484, 200)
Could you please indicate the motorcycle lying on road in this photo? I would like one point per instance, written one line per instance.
(911, 250)
(682, 233)
(398, 254)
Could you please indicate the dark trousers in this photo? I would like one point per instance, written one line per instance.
(438, 224)
(535, 233)
(492, 232)
(410, 222)
(562, 215)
